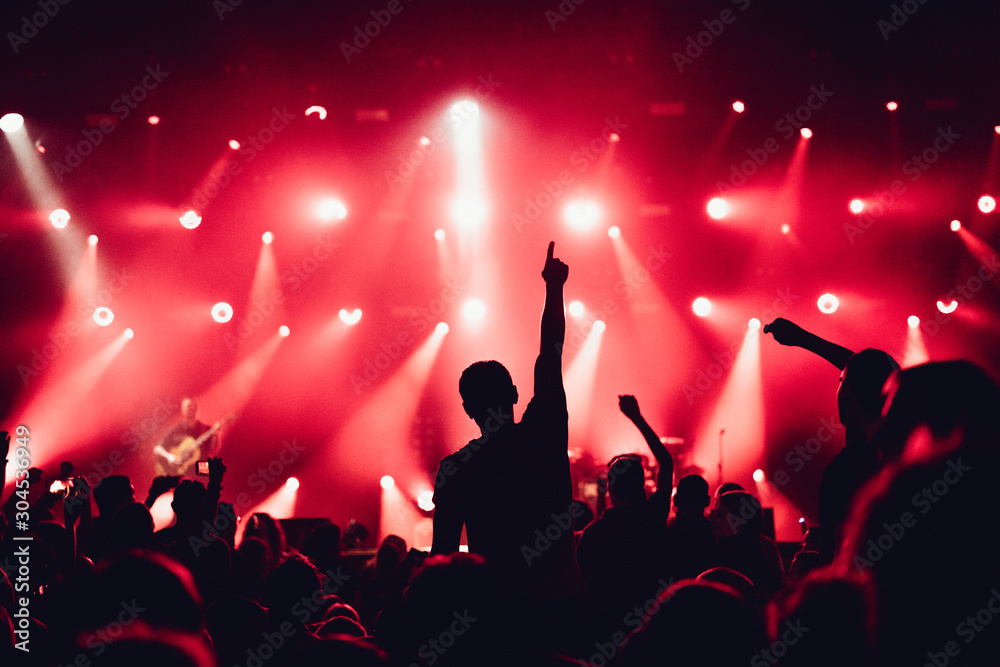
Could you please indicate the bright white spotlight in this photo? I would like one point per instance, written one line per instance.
(465, 109)
(576, 308)
(103, 316)
(701, 306)
(614, 138)
(758, 475)
(129, 333)
(222, 312)
(439, 234)
(739, 107)
(474, 310)
(329, 210)
(153, 120)
(754, 324)
(190, 220)
(469, 210)
(600, 326)
(785, 228)
(352, 317)
(955, 225)
(913, 321)
(857, 206)
(424, 141)
(11, 122)
(284, 331)
(425, 500)
(387, 482)
(59, 218)
(292, 483)
(891, 106)
(987, 204)
(828, 304)
(947, 307)
(267, 238)
(233, 144)
(318, 110)
(614, 231)
(441, 328)
(92, 240)
(717, 208)
(582, 215)
(806, 133)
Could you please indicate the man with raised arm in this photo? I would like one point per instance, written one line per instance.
(511, 487)
(859, 406)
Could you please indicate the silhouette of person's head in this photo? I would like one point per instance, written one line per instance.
(112, 492)
(322, 542)
(188, 496)
(951, 398)
(859, 397)
(692, 493)
(626, 480)
(487, 391)
(739, 515)
(294, 580)
(725, 488)
(582, 515)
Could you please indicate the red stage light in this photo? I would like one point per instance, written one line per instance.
(442, 328)
(425, 500)
(103, 316)
(292, 483)
(614, 138)
(235, 145)
(717, 208)
(576, 308)
(284, 331)
(582, 215)
(806, 133)
(828, 304)
(424, 141)
(439, 234)
(891, 106)
(387, 482)
(739, 107)
(267, 237)
(59, 218)
(913, 321)
(947, 308)
(758, 475)
(754, 324)
(329, 210)
(352, 317)
(857, 206)
(222, 312)
(987, 204)
(785, 228)
(190, 220)
(318, 110)
(474, 310)
(701, 307)
(599, 326)
(614, 231)
(129, 333)
(955, 225)
(92, 240)
(153, 120)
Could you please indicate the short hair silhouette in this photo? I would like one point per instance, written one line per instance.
(485, 385)
(692, 492)
(627, 478)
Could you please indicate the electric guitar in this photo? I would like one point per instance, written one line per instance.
(187, 452)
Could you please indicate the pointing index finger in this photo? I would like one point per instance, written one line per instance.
(552, 247)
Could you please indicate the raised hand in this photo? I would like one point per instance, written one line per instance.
(786, 332)
(555, 272)
(629, 407)
(216, 469)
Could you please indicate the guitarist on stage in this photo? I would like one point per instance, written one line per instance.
(173, 456)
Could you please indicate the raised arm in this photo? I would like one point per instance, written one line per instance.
(665, 462)
(548, 368)
(789, 333)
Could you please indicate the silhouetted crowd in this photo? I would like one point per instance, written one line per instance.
(903, 570)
